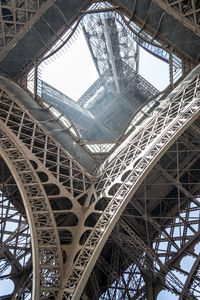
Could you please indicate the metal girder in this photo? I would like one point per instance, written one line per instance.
(186, 12)
(111, 54)
(178, 184)
(150, 260)
(64, 182)
(95, 285)
(127, 282)
(161, 229)
(17, 18)
(34, 201)
(192, 281)
(141, 157)
(175, 115)
(55, 188)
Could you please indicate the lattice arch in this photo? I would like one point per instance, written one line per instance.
(46, 251)
(40, 178)
(55, 188)
(138, 159)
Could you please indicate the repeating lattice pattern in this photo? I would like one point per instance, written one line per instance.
(52, 156)
(159, 230)
(65, 183)
(46, 253)
(15, 244)
(15, 15)
(187, 12)
(114, 186)
(132, 164)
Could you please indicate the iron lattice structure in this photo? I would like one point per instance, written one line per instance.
(122, 229)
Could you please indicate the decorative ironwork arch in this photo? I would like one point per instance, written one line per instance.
(138, 158)
(46, 251)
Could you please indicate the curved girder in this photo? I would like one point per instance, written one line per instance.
(177, 114)
(44, 237)
(63, 183)
(123, 176)
(62, 118)
(55, 189)
(134, 163)
(163, 213)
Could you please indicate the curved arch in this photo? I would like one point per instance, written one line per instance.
(46, 250)
(176, 116)
(24, 196)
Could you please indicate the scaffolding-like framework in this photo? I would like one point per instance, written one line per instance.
(131, 228)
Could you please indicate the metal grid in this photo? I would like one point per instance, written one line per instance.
(187, 12)
(57, 177)
(16, 18)
(23, 140)
(135, 160)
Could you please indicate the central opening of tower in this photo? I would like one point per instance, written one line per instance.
(102, 46)
(102, 55)
(99, 73)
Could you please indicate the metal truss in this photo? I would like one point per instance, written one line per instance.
(45, 240)
(16, 18)
(15, 245)
(186, 12)
(123, 34)
(95, 92)
(124, 175)
(159, 229)
(59, 197)
(109, 42)
(25, 146)
(54, 205)
(60, 117)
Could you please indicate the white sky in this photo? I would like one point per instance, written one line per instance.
(6, 286)
(73, 72)
(153, 70)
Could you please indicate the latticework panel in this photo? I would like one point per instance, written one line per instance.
(15, 249)
(16, 18)
(158, 232)
(45, 243)
(186, 11)
(53, 188)
(154, 180)
(124, 175)
(44, 148)
(57, 208)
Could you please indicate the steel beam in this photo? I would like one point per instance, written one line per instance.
(176, 10)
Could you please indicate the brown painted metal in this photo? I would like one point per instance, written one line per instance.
(57, 198)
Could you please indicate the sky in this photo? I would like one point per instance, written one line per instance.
(6, 287)
(73, 72)
(153, 70)
(165, 295)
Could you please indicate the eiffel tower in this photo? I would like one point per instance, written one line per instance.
(100, 198)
